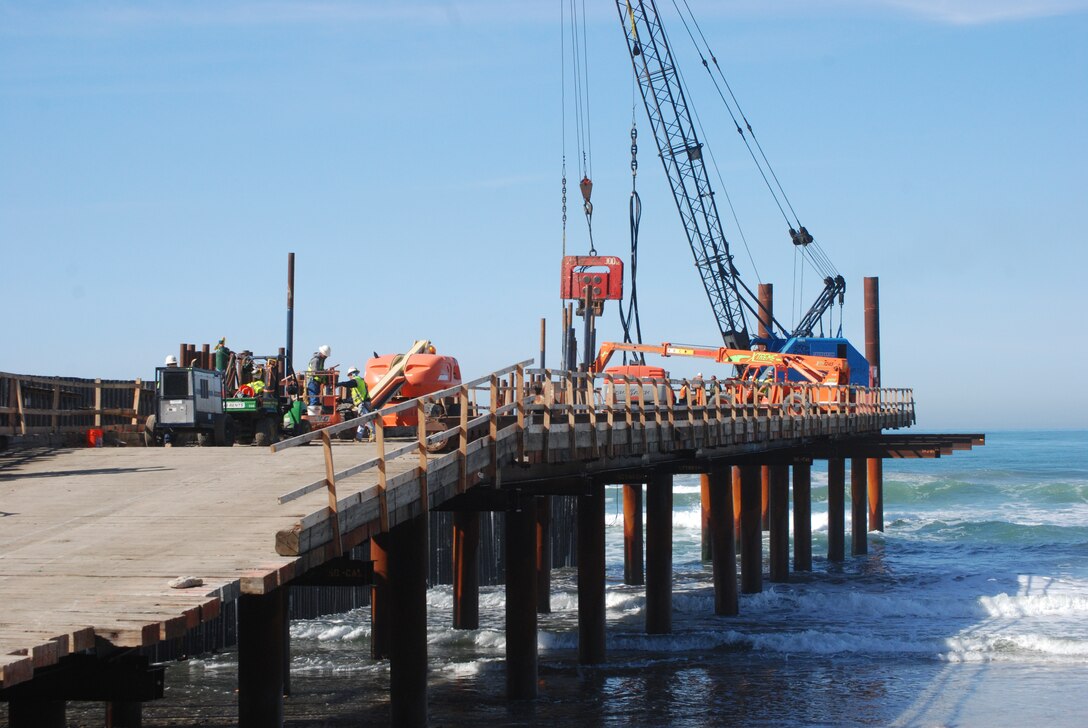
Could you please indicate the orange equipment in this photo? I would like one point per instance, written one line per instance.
(394, 378)
(763, 378)
(763, 365)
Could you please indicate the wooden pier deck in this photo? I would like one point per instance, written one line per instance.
(90, 538)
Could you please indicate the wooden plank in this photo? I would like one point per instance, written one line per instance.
(15, 669)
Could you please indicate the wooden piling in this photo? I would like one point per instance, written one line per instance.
(836, 505)
(466, 570)
(779, 522)
(521, 626)
(659, 554)
(260, 660)
(543, 508)
(724, 551)
(859, 507)
(764, 497)
(872, 353)
(407, 559)
(633, 573)
(591, 601)
(802, 517)
(704, 509)
(751, 535)
(735, 474)
(379, 597)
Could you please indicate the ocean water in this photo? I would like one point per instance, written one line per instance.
(970, 610)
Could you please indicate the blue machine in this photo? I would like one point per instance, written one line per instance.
(837, 346)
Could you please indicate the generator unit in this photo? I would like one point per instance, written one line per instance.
(188, 402)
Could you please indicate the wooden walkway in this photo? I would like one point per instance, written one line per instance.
(90, 538)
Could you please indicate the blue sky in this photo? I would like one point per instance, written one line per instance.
(159, 159)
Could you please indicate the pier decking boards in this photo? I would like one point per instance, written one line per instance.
(90, 538)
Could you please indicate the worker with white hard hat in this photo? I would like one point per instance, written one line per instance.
(314, 380)
(360, 399)
(171, 361)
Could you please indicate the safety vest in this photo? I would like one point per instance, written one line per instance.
(359, 393)
(257, 385)
(317, 363)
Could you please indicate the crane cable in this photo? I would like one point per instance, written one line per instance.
(635, 213)
(581, 109)
(799, 235)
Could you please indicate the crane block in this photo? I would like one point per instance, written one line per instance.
(582, 271)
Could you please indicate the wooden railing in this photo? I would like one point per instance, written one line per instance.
(545, 415)
(32, 405)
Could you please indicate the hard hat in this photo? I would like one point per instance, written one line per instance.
(430, 349)
(171, 360)
(353, 371)
(324, 350)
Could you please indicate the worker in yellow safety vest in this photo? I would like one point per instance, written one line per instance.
(360, 399)
(313, 381)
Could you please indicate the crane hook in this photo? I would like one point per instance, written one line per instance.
(586, 185)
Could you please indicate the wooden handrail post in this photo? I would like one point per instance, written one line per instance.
(98, 403)
(383, 503)
(610, 405)
(462, 431)
(493, 428)
(549, 402)
(591, 402)
(569, 391)
(628, 414)
(56, 407)
(330, 485)
(521, 393)
(421, 436)
(19, 407)
(135, 401)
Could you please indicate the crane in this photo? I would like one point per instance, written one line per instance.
(681, 153)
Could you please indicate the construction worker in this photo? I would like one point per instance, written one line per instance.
(698, 390)
(360, 399)
(171, 361)
(313, 381)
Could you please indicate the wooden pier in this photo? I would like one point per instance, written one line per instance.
(91, 537)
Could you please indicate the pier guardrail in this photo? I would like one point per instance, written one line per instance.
(35, 405)
(544, 415)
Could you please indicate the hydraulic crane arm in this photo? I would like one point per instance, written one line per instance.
(815, 369)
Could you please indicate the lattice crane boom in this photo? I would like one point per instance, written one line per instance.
(682, 156)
